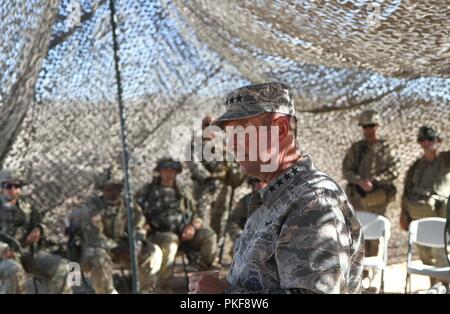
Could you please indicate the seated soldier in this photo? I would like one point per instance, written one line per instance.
(22, 243)
(102, 225)
(173, 222)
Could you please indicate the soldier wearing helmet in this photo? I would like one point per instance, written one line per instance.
(370, 167)
(23, 243)
(426, 189)
(102, 224)
(173, 222)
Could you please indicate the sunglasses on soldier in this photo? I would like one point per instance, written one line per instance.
(9, 186)
(423, 139)
(368, 126)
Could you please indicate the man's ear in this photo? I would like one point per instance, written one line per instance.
(282, 123)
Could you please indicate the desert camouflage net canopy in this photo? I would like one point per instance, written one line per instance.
(58, 96)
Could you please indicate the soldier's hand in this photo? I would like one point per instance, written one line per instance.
(404, 221)
(188, 233)
(34, 236)
(366, 185)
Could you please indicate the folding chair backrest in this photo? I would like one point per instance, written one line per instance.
(428, 232)
(374, 226)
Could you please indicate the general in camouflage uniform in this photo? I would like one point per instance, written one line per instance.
(102, 223)
(173, 222)
(304, 237)
(212, 183)
(22, 243)
(426, 190)
(370, 167)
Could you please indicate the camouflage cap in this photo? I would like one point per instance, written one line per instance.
(253, 100)
(10, 175)
(428, 133)
(369, 117)
(169, 163)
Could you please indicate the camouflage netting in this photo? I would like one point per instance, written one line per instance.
(58, 110)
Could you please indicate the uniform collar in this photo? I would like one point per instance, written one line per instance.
(270, 194)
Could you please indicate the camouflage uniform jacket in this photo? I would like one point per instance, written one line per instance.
(17, 221)
(426, 179)
(304, 238)
(113, 225)
(238, 216)
(166, 209)
(371, 161)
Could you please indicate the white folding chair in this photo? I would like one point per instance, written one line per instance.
(376, 227)
(426, 232)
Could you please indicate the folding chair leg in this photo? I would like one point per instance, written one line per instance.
(185, 270)
(406, 283)
(36, 290)
(382, 282)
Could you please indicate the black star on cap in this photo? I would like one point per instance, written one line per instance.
(231, 100)
(279, 182)
(271, 188)
(239, 98)
(294, 170)
(287, 176)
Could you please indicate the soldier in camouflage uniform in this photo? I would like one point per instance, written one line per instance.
(102, 224)
(370, 167)
(242, 211)
(304, 236)
(426, 190)
(212, 183)
(173, 221)
(23, 242)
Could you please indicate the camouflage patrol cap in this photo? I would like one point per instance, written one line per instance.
(369, 117)
(169, 163)
(428, 133)
(253, 100)
(10, 175)
(109, 175)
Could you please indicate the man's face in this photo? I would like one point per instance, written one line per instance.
(370, 130)
(168, 174)
(248, 152)
(112, 192)
(428, 144)
(12, 190)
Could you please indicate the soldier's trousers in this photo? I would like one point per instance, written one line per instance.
(99, 263)
(204, 245)
(49, 268)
